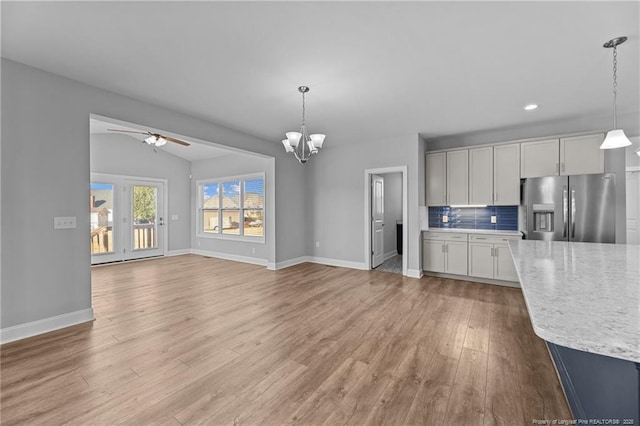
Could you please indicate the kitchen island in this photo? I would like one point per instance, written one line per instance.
(584, 300)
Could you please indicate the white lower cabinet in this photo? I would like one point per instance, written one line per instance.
(474, 255)
(489, 257)
(445, 253)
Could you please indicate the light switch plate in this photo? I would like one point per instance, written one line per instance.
(68, 222)
(445, 218)
(494, 219)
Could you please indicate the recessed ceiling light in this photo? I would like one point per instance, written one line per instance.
(530, 107)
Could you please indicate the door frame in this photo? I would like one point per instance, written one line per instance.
(367, 214)
(120, 179)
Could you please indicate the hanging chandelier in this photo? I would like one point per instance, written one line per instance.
(301, 144)
(615, 138)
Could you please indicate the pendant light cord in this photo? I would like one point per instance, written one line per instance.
(615, 85)
(303, 108)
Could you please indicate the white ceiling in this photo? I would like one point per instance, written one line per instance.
(376, 69)
(195, 151)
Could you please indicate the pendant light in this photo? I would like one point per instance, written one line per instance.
(615, 138)
(310, 143)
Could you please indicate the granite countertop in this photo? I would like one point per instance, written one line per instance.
(473, 231)
(584, 296)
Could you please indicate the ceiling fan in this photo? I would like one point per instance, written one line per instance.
(154, 139)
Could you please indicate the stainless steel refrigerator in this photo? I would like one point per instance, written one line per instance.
(570, 208)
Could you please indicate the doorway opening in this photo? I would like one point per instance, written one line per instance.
(127, 218)
(386, 219)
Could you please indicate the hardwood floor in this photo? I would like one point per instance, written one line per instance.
(195, 340)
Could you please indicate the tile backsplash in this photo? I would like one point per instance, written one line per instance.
(475, 217)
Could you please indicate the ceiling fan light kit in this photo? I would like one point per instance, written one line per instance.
(615, 138)
(155, 140)
(310, 143)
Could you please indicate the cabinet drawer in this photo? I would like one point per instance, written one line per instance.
(492, 239)
(444, 236)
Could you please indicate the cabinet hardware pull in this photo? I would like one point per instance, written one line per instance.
(562, 167)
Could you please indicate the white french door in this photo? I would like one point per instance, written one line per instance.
(127, 218)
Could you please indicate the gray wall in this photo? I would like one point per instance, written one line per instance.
(45, 173)
(336, 188)
(232, 165)
(392, 209)
(124, 155)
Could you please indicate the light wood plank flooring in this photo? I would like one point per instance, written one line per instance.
(195, 340)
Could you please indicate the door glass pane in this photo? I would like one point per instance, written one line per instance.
(145, 206)
(231, 222)
(101, 204)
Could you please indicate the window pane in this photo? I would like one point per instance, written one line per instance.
(231, 222)
(231, 195)
(253, 223)
(210, 221)
(210, 196)
(145, 206)
(254, 194)
(101, 217)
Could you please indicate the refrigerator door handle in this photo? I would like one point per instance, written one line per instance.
(565, 212)
(573, 213)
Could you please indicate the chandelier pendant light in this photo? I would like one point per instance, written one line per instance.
(301, 144)
(615, 138)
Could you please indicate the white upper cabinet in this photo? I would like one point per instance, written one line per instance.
(540, 158)
(481, 175)
(581, 155)
(436, 176)
(458, 177)
(506, 175)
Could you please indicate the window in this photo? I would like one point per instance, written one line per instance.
(232, 207)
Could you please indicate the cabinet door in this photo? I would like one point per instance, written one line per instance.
(540, 158)
(506, 175)
(433, 255)
(505, 269)
(456, 258)
(480, 260)
(581, 155)
(481, 175)
(436, 176)
(458, 177)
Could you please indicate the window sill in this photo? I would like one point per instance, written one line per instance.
(227, 237)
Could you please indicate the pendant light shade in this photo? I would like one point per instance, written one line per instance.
(615, 138)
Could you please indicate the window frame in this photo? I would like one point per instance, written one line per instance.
(200, 183)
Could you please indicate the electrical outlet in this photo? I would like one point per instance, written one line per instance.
(317, 244)
(445, 218)
(253, 250)
(494, 219)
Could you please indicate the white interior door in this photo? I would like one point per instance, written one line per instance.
(377, 220)
(127, 218)
(633, 207)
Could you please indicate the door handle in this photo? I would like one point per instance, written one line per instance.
(565, 212)
(160, 222)
(562, 165)
(573, 212)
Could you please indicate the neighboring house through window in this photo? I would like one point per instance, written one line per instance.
(232, 207)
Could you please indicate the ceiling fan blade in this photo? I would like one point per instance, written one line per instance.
(128, 131)
(174, 140)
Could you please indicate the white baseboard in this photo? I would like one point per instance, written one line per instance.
(390, 254)
(414, 273)
(45, 325)
(178, 252)
(227, 256)
(337, 262)
(290, 262)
